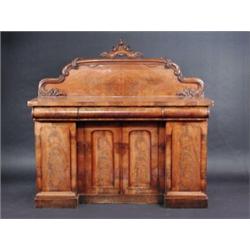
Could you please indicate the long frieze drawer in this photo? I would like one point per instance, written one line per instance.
(114, 112)
(54, 113)
(118, 112)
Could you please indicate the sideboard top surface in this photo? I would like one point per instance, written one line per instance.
(123, 101)
(121, 77)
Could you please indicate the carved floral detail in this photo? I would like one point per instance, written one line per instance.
(52, 92)
(121, 49)
(171, 65)
(187, 92)
(42, 91)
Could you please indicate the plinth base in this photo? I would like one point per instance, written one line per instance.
(175, 199)
(56, 200)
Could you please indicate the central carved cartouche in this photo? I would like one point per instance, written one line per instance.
(121, 50)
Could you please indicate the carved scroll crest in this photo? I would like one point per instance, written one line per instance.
(121, 49)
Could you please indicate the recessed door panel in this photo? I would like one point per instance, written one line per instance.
(121, 158)
(187, 154)
(99, 164)
(140, 161)
(103, 158)
(55, 156)
(139, 168)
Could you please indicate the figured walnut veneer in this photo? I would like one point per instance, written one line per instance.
(121, 129)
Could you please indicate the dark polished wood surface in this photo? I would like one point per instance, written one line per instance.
(121, 129)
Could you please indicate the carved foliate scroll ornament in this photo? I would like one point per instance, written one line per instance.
(121, 49)
(43, 92)
(52, 92)
(186, 92)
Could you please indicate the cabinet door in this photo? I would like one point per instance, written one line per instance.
(99, 164)
(55, 156)
(141, 171)
(186, 156)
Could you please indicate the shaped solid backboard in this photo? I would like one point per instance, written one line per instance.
(121, 72)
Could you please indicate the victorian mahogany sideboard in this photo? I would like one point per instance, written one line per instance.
(121, 129)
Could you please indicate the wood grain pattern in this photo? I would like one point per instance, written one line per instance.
(101, 158)
(186, 168)
(185, 142)
(56, 159)
(56, 164)
(129, 76)
(121, 129)
(121, 158)
(140, 169)
(140, 160)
